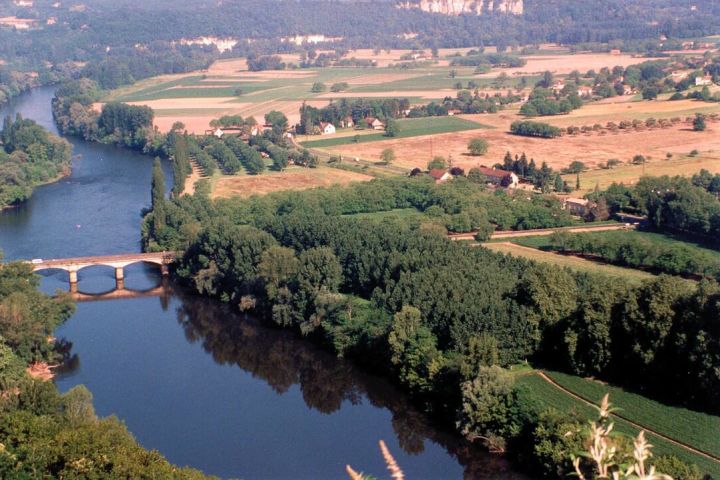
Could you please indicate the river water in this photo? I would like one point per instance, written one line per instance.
(205, 386)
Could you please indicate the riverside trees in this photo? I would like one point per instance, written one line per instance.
(29, 155)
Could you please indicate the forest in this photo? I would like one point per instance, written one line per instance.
(29, 156)
(672, 204)
(443, 319)
(562, 21)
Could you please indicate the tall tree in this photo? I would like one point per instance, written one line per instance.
(158, 195)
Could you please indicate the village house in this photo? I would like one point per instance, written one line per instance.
(454, 112)
(327, 128)
(259, 129)
(558, 87)
(703, 81)
(628, 90)
(615, 51)
(440, 176)
(577, 206)
(584, 91)
(497, 176)
(678, 75)
(347, 122)
(374, 123)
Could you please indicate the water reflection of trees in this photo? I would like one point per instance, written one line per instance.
(282, 360)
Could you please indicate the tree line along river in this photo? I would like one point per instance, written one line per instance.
(203, 385)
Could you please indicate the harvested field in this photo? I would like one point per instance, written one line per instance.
(602, 113)
(296, 178)
(564, 64)
(593, 149)
(629, 174)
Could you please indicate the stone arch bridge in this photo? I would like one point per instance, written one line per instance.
(118, 262)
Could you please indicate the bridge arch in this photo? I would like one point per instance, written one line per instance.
(118, 262)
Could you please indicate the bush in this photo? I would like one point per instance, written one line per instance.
(318, 87)
(478, 146)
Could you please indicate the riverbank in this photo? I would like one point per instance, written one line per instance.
(66, 173)
(41, 371)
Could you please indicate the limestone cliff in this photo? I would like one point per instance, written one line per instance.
(459, 7)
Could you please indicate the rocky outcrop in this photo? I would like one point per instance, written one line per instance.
(459, 7)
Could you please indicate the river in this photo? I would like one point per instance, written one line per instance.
(205, 386)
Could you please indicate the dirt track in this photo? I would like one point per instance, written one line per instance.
(544, 231)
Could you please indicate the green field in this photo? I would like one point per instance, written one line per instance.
(543, 242)
(409, 127)
(697, 429)
(255, 88)
(548, 395)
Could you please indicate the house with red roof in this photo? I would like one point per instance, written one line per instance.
(440, 176)
(374, 123)
(497, 176)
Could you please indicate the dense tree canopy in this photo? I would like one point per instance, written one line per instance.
(29, 156)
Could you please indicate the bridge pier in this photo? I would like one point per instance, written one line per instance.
(73, 277)
(164, 269)
(119, 273)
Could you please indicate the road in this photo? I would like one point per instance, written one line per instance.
(545, 231)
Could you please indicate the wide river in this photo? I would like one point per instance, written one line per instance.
(207, 387)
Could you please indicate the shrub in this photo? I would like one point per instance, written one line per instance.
(478, 146)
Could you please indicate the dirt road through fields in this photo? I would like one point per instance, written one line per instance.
(545, 231)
